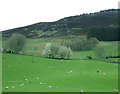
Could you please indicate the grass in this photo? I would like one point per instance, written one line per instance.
(54, 72)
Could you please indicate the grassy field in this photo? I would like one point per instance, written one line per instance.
(62, 75)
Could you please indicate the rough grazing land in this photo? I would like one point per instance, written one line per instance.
(30, 73)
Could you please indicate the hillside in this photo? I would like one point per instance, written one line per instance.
(61, 75)
(73, 25)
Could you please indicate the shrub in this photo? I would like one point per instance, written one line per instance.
(89, 57)
(99, 52)
(16, 43)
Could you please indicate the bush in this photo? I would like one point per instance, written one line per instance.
(16, 43)
(99, 52)
(89, 57)
(53, 51)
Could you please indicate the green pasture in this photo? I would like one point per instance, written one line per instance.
(17, 68)
(88, 75)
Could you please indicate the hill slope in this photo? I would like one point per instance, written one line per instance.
(73, 25)
(17, 68)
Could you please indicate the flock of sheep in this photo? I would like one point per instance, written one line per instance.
(37, 78)
(27, 80)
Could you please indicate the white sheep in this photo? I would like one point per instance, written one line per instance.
(37, 78)
(104, 74)
(70, 70)
(49, 86)
(40, 83)
(13, 86)
(26, 79)
(115, 90)
(81, 90)
(6, 87)
(22, 85)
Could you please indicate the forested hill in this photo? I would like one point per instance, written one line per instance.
(103, 23)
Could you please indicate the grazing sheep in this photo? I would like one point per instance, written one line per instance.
(6, 87)
(114, 90)
(49, 86)
(104, 74)
(22, 85)
(37, 78)
(70, 70)
(13, 86)
(81, 90)
(117, 90)
(40, 83)
(26, 79)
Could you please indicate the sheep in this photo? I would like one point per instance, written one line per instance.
(13, 86)
(115, 90)
(44, 83)
(104, 74)
(6, 87)
(70, 70)
(37, 78)
(26, 79)
(40, 83)
(22, 85)
(49, 86)
(81, 90)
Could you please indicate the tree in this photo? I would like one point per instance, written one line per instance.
(90, 43)
(51, 50)
(16, 43)
(64, 52)
(47, 51)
